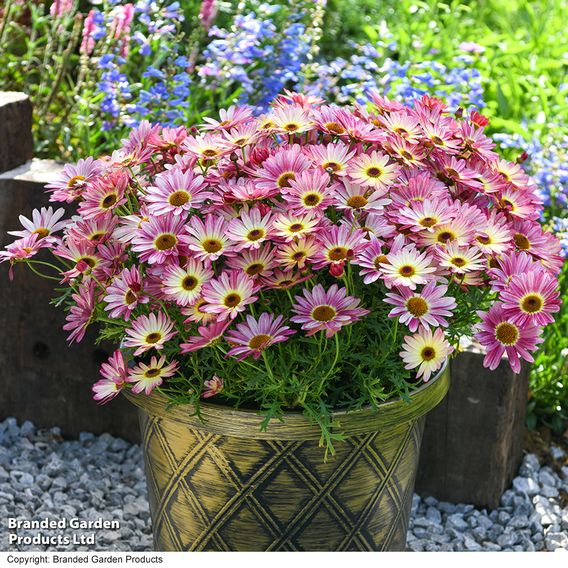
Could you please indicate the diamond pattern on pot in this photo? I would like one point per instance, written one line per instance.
(213, 492)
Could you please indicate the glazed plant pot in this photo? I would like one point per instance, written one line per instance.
(225, 485)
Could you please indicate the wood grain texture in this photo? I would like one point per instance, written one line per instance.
(472, 445)
(47, 381)
(16, 142)
(238, 491)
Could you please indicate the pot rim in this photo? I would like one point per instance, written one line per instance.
(246, 423)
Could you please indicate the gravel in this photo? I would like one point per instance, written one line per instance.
(101, 479)
(533, 516)
(94, 478)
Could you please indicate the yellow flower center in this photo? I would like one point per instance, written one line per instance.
(445, 237)
(312, 199)
(428, 222)
(189, 283)
(209, 153)
(532, 304)
(74, 181)
(338, 253)
(458, 261)
(254, 269)
(522, 242)
(407, 271)
(333, 166)
(417, 306)
(212, 245)
(324, 313)
(179, 198)
(109, 200)
(153, 337)
(374, 172)
(378, 260)
(357, 201)
(231, 300)
(334, 127)
(151, 373)
(259, 341)
(428, 353)
(255, 234)
(284, 179)
(507, 333)
(41, 232)
(130, 297)
(291, 127)
(166, 241)
(295, 227)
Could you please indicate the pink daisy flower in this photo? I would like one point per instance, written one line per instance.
(96, 231)
(254, 262)
(296, 253)
(208, 335)
(206, 147)
(125, 294)
(85, 258)
(114, 375)
(254, 336)
(310, 191)
(427, 350)
(250, 229)
(510, 265)
(499, 335)
(158, 240)
(460, 260)
(419, 187)
(430, 307)
(350, 196)
(23, 249)
(292, 119)
(370, 260)
(229, 294)
(104, 195)
(229, 118)
(338, 245)
(176, 192)
(80, 314)
(321, 310)
(424, 215)
(284, 279)
(212, 387)
(209, 239)
(149, 331)
(290, 226)
(146, 377)
(195, 312)
(407, 267)
(333, 158)
(44, 223)
(531, 297)
(493, 234)
(373, 170)
(184, 285)
(402, 125)
(278, 170)
(71, 182)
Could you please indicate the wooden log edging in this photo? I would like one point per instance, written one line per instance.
(16, 141)
(473, 440)
(43, 378)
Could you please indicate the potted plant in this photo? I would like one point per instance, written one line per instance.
(285, 292)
